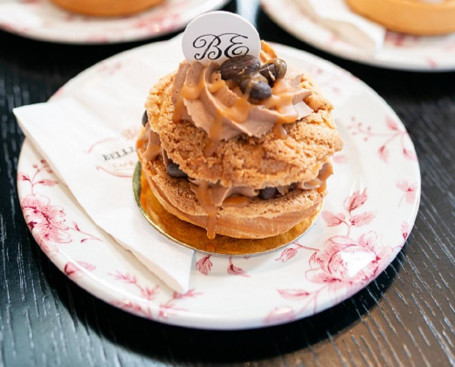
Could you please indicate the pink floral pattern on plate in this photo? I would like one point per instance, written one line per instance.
(405, 52)
(394, 133)
(46, 221)
(356, 236)
(344, 262)
(40, 19)
(166, 309)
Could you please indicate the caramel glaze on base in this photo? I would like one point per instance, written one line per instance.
(194, 237)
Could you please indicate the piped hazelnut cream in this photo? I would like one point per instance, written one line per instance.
(202, 97)
(242, 96)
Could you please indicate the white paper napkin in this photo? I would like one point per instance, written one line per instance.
(353, 28)
(88, 139)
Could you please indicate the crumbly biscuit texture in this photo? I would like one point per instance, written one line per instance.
(247, 161)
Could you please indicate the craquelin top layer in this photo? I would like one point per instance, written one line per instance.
(256, 162)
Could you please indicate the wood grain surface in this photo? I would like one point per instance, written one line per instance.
(404, 318)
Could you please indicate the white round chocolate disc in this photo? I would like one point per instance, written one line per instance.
(218, 36)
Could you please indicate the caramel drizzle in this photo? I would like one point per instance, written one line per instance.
(282, 101)
(236, 201)
(178, 109)
(325, 172)
(279, 131)
(205, 198)
(214, 136)
(153, 146)
(238, 112)
(193, 92)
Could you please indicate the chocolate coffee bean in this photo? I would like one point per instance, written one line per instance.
(273, 70)
(256, 88)
(268, 193)
(145, 118)
(281, 68)
(239, 67)
(260, 90)
(174, 170)
(268, 71)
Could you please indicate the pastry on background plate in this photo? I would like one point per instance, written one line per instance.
(106, 7)
(420, 17)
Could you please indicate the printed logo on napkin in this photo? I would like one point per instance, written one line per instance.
(116, 156)
(218, 36)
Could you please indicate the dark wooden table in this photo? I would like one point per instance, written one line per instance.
(404, 318)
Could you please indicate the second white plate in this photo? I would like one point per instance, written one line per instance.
(42, 20)
(400, 51)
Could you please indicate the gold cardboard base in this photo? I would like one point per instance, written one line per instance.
(194, 237)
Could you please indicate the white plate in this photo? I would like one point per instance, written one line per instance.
(371, 207)
(42, 20)
(404, 52)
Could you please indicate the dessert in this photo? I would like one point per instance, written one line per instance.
(420, 17)
(240, 147)
(106, 7)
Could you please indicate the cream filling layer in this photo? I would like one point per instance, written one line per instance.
(219, 194)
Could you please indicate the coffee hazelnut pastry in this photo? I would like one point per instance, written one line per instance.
(419, 17)
(240, 148)
(106, 7)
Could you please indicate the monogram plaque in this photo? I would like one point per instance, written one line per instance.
(219, 35)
